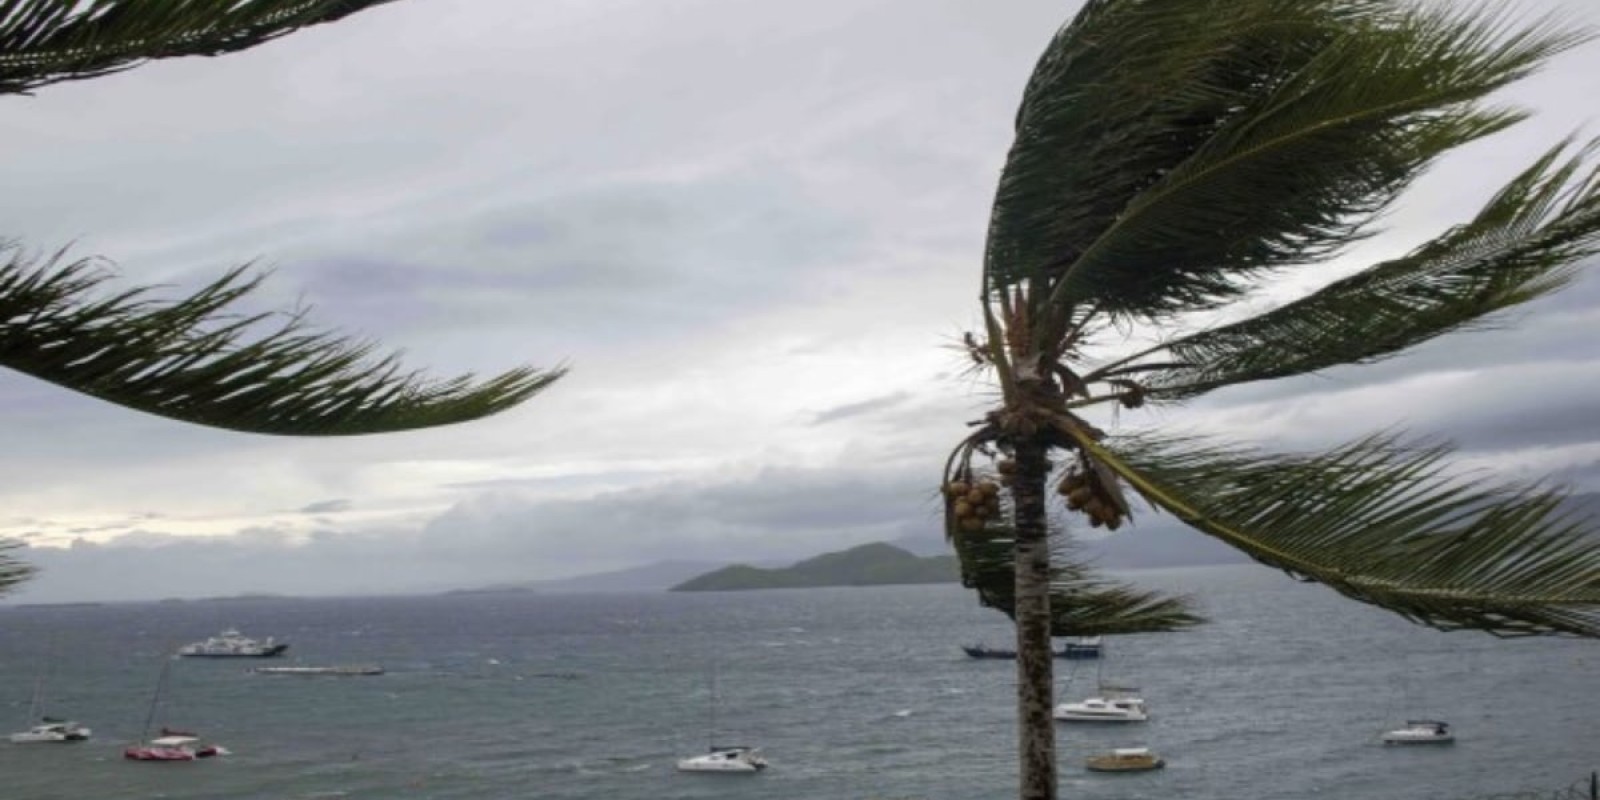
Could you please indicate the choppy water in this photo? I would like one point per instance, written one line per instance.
(853, 693)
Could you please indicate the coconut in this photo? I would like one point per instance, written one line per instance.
(963, 508)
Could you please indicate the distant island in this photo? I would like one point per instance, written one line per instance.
(876, 564)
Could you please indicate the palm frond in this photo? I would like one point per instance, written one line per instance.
(192, 360)
(1164, 151)
(12, 571)
(1081, 602)
(1380, 521)
(49, 41)
(1522, 245)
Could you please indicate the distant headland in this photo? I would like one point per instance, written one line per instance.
(875, 564)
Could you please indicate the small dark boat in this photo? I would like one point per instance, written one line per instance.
(1083, 647)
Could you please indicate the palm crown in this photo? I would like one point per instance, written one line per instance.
(1167, 154)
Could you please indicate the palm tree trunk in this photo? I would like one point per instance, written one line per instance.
(1035, 680)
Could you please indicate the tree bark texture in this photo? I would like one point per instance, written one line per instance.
(1035, 677)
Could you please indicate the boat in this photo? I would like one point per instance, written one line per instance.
(52, 730)
(1081, 647)
(232, 644)
(722, 758)
(1112, 704)
(725, 759)
(1420, 731)
(47, 729)
(1125, 759)
(348, 670)
(169, 745)
(172, 748)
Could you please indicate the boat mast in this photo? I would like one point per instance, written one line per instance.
(155, 699)
(711, 724)
(33, 704)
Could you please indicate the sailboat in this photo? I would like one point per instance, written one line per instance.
(1112, 703)
(47, 729)
(722, 758)
(170, 745)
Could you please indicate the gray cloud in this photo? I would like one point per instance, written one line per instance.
(327, 506)
(849, 410)
(750, 227)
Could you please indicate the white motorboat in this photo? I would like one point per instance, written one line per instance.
(1420, 731)
(232, 644)
(725, 759)
(52, 730)
(1113, 704)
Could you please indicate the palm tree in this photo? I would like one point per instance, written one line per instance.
(194, 359)
(1170, 155)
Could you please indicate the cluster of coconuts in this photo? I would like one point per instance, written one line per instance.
(974, 503)
(1085, 492)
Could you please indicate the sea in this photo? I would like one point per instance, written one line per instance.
(852, 693)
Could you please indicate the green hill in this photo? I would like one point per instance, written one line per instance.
(875, 564)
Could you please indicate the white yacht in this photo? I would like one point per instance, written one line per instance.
(1420, 731)
(1113, 704)
(232, 644)
(52, 730)
(725, 759)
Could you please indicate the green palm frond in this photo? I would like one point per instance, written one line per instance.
(1081, 602)
(191, 360)
(1522, 245)
(1382, 522)
(49, 41)
(12, 571)
(1166, 150)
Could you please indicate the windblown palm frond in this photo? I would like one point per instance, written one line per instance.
(1380, 521)
(49, 41)
(12, 571)
(1522, 245)
(1164, 150)
(190, 360)
(1081, 603)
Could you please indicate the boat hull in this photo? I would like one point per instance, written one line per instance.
(266, 652)
(1067, 716)
(1110, 764)
(29, 737)
(1396, 738)
(343, 671)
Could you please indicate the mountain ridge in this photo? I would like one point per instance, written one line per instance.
(873, 564)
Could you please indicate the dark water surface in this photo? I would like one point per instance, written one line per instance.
(853, 693)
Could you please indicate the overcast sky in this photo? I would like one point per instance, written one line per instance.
(750, 228)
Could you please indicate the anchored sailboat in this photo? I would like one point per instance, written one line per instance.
(722, 758)
(45, 729)
(170, 745)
